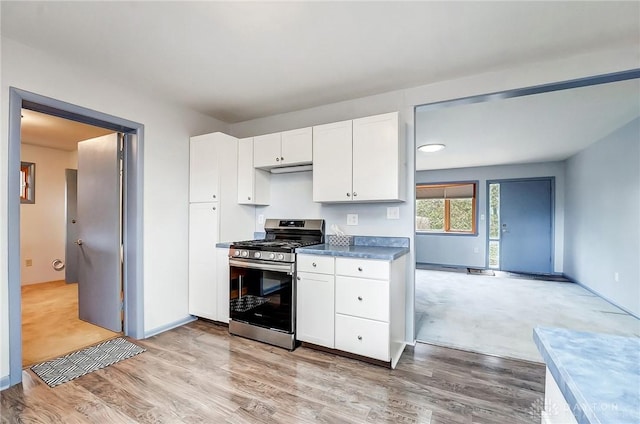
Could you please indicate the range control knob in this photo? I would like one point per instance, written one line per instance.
(236, 253)
(256, 254)
(244, 253)
(272, 256)
(280, 257)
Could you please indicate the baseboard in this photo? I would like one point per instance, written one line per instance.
(170, 326)
(573, 280)
(4, 382)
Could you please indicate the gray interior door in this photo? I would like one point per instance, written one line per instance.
(71, 249)
(526, 226)
(99, 232)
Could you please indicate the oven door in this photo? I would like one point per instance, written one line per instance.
(262, 293)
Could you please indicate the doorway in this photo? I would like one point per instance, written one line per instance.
(132, 248)
(59, 318)
(520, 225)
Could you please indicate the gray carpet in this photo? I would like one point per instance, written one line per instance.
(77, 364)
(496, 316)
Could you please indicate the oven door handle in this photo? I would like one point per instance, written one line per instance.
(247, 263)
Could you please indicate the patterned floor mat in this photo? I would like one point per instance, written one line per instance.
(77, 364)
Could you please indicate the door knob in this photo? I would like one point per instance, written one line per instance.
(78, 242)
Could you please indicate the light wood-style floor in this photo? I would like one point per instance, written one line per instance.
(50, 323)
(198, 373)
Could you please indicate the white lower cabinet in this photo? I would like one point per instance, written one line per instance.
(203, 233)
(353, 305)
(315, 292)
(314, 305)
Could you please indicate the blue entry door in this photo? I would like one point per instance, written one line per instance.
(525, 226)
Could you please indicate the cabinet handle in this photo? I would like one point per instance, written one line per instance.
(277, 159)
(298, 278)
(360, 298)
(213, 208)
(348, 194)
(360, 268)
(281, 158)
(214, 196)
(249, 198)
(355, 194)
(314, 264)
(359, 337)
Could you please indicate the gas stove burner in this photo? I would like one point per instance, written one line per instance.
(282, 238)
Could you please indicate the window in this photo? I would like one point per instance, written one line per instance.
(27, 182)
(446, 208)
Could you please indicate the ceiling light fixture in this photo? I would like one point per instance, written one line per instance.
(431, 148)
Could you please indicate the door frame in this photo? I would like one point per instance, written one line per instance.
(133, 212)
(552, 180)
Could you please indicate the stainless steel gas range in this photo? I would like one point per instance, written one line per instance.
(262, 280)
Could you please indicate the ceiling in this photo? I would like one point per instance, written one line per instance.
(49, 131)
(241, 60)
(237, 61)
(536, 128)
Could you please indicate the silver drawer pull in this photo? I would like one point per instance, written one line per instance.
(298, 278)
(360, 298)
(348, 194)
(360, 268)
(314, 264)
(359, 337)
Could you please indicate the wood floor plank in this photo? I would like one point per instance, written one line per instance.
(50, 323)
(198, 373)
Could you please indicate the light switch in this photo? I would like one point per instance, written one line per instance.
(393, 213)
(260, 219)
(352, 219)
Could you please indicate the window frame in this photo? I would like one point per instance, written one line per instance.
(447, 212)
(27, 182)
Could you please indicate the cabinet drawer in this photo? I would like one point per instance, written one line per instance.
(362, 297)
(362, 337)
(367, 268)
(315, 263)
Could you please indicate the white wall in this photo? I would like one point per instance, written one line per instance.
(603, 217)
(42, 224)
(459, 250)
(166, 172)
(167, 129)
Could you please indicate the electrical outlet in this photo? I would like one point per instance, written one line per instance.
(616, 277)
(260, 219)
(476, 250)
(393, 213)
(481, 217)
(352, 219)
(28, 262)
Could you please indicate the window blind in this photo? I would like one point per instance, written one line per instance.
(442, 191)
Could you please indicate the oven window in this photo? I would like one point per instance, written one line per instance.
(263, 298)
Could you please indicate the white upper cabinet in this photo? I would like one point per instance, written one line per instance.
(332, 162)
(253, 184)
(376, 158)
(288, 148)
(204, 184)
(358, 160)
(297, 147)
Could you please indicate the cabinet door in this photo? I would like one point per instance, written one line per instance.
(222, 284)
(376, 158)
(332, 158)
(266, 151)
(203, 235)
(315, 309)
(297, 147)
(203, 169)
(245, 171)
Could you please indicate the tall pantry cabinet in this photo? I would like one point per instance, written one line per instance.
(214, 216)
